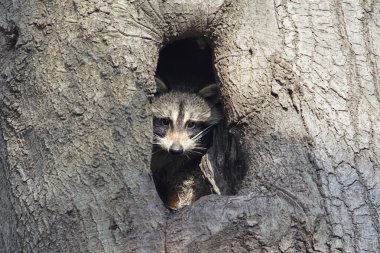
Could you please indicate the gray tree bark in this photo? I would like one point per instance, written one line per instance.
(300, 88)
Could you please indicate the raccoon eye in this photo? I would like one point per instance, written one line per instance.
(191, 124)
(165, 121)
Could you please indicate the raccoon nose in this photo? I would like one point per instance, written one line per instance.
(176, 149)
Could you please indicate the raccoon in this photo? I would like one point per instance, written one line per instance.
(182, 126)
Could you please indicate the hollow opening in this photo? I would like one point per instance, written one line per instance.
(192, 157)
(188, 63)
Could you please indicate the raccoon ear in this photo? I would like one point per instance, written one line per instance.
(210, 93)
(161, 86)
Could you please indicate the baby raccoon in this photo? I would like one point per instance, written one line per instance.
(182, 125)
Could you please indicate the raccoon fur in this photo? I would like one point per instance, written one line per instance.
(182, 126)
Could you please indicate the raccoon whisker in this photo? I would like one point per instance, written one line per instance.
(199, 148)
(187, 156)
(200, 136)
(196, 152)
(156, 152)
(201, 133)
(199, 152)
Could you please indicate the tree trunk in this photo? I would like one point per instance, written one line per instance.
(300, 90)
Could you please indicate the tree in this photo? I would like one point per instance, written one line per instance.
(299, 83)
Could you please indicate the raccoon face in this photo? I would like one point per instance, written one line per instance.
(181, 120)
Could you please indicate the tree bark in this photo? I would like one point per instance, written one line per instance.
(300, 89)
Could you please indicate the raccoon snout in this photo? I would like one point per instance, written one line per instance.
(176, 149)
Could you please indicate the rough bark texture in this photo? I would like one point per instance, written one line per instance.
(299, 82)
